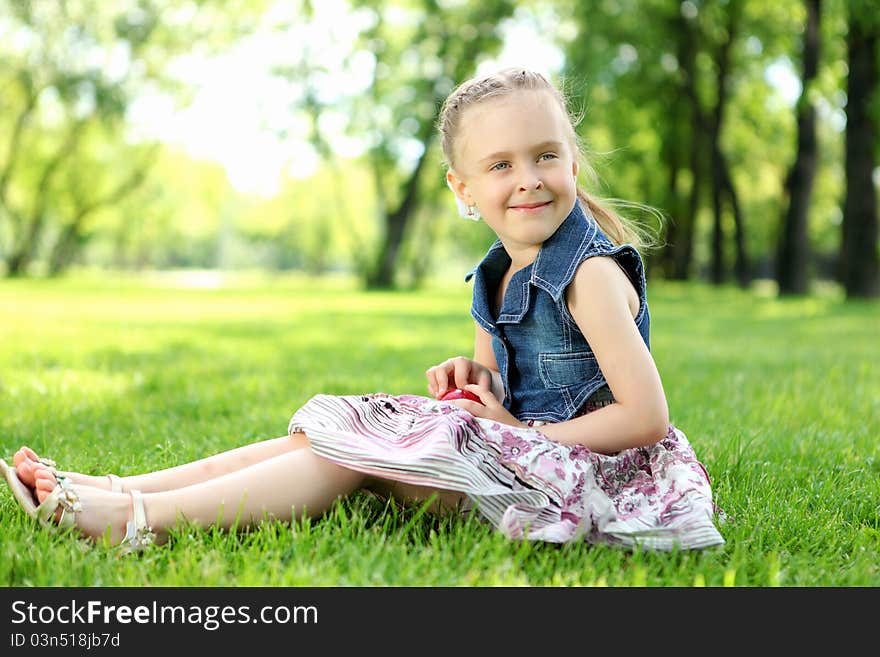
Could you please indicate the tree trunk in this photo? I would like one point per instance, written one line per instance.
(718, 270)
(859, 270)
(685, 253)
(74, 235)
(666, 259)
(683, 248)
(16, 264)
(65, 249)
(13, 152)
(793, 249)
(382, 276)
(741, 265)
(25, 248)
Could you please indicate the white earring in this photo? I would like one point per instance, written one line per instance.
(465, 211)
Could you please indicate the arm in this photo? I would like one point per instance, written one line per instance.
(598, 302)
(484, 355)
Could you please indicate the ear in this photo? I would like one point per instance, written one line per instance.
(575, 167)
(458, 186)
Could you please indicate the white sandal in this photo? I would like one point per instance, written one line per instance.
(22, 493)
(138, 535)
(115, 482)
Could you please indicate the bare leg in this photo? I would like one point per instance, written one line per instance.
(284, 487)
(25, 461)
(215, 466)
(445, 501)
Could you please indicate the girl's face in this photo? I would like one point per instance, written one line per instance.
(514, 161)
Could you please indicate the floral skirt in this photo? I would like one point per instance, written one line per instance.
(524, 484)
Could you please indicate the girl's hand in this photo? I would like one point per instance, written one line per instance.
(454, 373)
(490, 408)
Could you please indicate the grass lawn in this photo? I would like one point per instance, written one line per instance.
(780, 399)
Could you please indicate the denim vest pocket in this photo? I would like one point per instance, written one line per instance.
(568, 369)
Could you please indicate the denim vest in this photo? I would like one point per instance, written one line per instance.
(547, 367)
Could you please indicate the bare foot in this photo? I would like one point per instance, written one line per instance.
(26, 462)
(103, 513)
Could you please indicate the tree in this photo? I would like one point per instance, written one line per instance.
(793, 250)
(670, 66)
(859, 269)
(68, 81)
(722, 181)
(418, 57)
(630, 87)
(72, 234)
(685, 153)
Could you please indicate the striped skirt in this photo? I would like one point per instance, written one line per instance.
(524, 484)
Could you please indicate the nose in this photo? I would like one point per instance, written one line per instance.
(531, 180)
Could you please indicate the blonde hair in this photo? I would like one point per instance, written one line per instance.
(508, 81)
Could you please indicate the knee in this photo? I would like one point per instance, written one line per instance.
(298, 440)
(332, 472)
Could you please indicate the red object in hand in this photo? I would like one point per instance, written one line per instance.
(460, 394)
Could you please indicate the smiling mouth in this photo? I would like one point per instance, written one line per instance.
(530, 206)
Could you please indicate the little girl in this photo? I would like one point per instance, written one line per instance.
(570, 437)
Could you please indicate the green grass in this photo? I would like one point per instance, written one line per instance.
(780, 399)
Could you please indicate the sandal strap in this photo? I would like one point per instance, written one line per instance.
(138, 535)
(23, 494)
(61, 496)
(115, 481)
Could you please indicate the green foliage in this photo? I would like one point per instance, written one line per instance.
(174, 220)
(70, 74)
(134, 374)
(418, 51)
(625, 61)
(318, 223)
(71, 168)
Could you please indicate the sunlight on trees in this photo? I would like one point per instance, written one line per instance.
(682, 110)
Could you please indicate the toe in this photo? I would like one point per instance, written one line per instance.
(24, 465)
(44, 482)
(25, 453)
(25, 471)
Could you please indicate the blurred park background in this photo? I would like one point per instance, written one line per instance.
(299, 135)
(211, 210)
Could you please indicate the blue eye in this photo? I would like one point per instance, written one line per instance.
(494, 167)
(550, 155)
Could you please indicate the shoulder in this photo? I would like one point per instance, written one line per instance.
(600, 281)
(601, 272)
